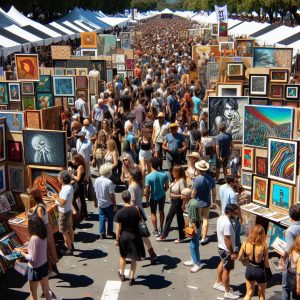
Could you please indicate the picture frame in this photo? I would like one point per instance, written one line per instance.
(122, 74)
(81, 82)
(14, 151)
(3, 107)
(290, 103)
(121, 67)
(281, 196)
(14, 92)
(70, 71)
(229, 89)
(282, 160)
(27, 88)
(223, 29)
(235, 69)
(261, 164)
(88, 39)
(28, 102)
(63, 86)
(82, 72)
(89, 52)
(258, 85)
(274, 102)
(44, 100)
(228, 46)
(16, 177)
(59, 71)
(71, 101)
(33, 119)
(276, 91)
(46, 71)
(213, 71)
(44, 85)
(279, 75)
(246, 180)
(260, 190)
(27, 66)
(3, 141)
(2, 179)
(259, 101)
(244, 47)
(4, 95)
(248, 159)
(291, 92)
(109, 75)
(14, 120)
(130, 63)
(214, 29)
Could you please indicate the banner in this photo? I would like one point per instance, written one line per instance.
(221, 13)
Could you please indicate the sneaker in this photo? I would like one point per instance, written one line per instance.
(219, 286)
(160, 238)
(188, 263)
(155, 232)
(195, 269)
(230, 295)
(204, 241)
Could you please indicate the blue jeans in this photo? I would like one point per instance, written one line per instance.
(194, 248)
(286, 293)
(106, 214)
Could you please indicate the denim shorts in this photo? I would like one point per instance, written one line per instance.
(37, 274)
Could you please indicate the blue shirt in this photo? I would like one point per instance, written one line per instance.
(130, 138)
(197, 103)
(157, 181)
(290, 235)
(227, 196)
(174, 105)
(174, 142)
(203, 184)
(224, 139)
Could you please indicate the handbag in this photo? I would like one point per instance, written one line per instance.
(144, 231)
(244, 259)
(189, 231)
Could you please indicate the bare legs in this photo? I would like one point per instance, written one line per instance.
(123, 265)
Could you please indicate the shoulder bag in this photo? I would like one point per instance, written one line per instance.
(144, 231)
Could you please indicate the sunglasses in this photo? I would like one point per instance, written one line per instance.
(125, 159)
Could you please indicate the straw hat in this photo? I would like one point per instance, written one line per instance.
(194, 154)
(105, 170)
(161, 115)
(173, 125)
(202, 165)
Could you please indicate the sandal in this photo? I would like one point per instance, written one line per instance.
(178, 241)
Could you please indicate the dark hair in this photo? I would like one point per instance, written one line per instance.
(137, 175)
(179, 170)
(194, 125)
(65, 176)
(294, 212)
(78, 158)
(126, 196)
(156, 162)
(36, 195)
(36, 226)
(229, 179)
(231, 208)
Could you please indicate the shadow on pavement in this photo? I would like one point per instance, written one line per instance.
(90, 254)
(211, 263)
(153, 282)
(12, 294)
(86, 237)
(84, 225)
(74, 281)
(168, 262)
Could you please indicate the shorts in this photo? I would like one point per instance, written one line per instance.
(145, 154)
(160, 203)
(255, 273)
(228, 263)
(204, 212)
(37, 274)
(65, 221)
(222, 164)
(204, 204)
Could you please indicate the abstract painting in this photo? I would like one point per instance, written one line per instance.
(28, 102)
(88, 39)
(27, 67)
(33, 119)
(16, 178)
(106, 44)
(27, 88)
(2, 179)
(44, 100)
(292, 92)
(229, 110)
(223, 29)
(14, 92)
(261, 166)
(281, 196)
(246, 180)
(45, 147)
(282, 160)
(44, 85)
(3, 93)
(63, 85)
(261, 122)
(244, 48)
(14, 151)
(14, 120)
(260, 190)
(258, 85)
(2, 140)
(248, 159)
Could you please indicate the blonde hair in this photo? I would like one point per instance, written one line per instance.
(257, 236)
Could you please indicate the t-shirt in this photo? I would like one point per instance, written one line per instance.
(140, 114)
(197, 105)
(160, 131)
(37, 252)
(157, 181)
(156, 102)
(193, 212)
(66, 193)
(203, 184)
(130, 138)
(224, 227)
(136, 194)
(174, 141)
(148, 90)
(82, 106)
(90, 132)
(227, 196)
(126, 101)
(224, 139)
(174, 105)
(85, 149)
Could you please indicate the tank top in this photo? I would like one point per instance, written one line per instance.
(253, 262)
(145, 146)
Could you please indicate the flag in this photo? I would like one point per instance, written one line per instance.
(222, 13)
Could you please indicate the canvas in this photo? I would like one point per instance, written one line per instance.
(200, 53)
(27, 88)
(244, 48)
(273, 232)
(260, 190)
(2, 140)
(279, 75)
(258, 85)
(272, 57)
(45, 147)
(16, 178)
(261, 166)
(226, 46)
(28, 102)
(88, 39)
(106, 44)
(14, 92)
(44, 85)
(235, 69)
(282, 160)
(223, 29)
(27, 67)
(2, 179)
(63, 86)
(81, 82)
(246, 180)
(3, 93)
(61, 52)
(51, 118)
(248, 155)
(44, 100)
(261, 122)
(14, 151)
(228, 110)
(276, 91)
(229, 89)
(281, 196)
(14, 120)
(292, 92)
(33, 119)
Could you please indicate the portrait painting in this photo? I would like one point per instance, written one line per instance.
(223, 29)
(279, 75)
(2, 179)
(106, 44)
(28, 102)
(260, 190)
(81, 82)
(229, 89)
(246, 180)
(130, 63)
(63, 86)
(281, 196)
(282, 160)
(27, 88)
(261, 122)
(258, 85)
(44, 85)
(244, 48)
(88, 39)
(2, 140)
(44, 100)
(14, 92)
(276, 91)
(248, 155)
(292, 92)
(261, 166)
(235, 69)
(14, 151)
(33, 119)
(14, 120)
(215, 29)
(16, 178)
(3, 93)
(45, 147)
(27, 67)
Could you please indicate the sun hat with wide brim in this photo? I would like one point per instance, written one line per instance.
(161, 115)
(194, 154)
(202, 165)
(173, 125)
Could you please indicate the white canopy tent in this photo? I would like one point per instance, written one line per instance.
(114, 21)
(247, 28)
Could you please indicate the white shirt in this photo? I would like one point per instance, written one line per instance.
(224, 227)
(85, 149)
(81, 105)
(66, 193)
(160, 131)
(103, 188)
(90, 132)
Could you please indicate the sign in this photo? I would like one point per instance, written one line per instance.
(221, 13)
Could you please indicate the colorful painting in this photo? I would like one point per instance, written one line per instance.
(276, 91)
(45, 147)
(260, 190)
(248, 159)
(16, 178)
(244, 48)
(33, 119)
(223, 29)
(2, 140)
(63, 85)
(28, 102)
(282, 160)
(246, 180)
(14, 151)
(281, 196)
(279, 75)
(27, 88)
(261, 166)
(292, 92)
(274, 231)
(261, 122)
(3, 93)
(130, 63)
(14, 92)
(88, 39)
(2, 179)
(235, 69)
(27, 67)
(44, 100)
(44, 85)
(258, 85)
(272, 57)
(14, 120)
(106, 44)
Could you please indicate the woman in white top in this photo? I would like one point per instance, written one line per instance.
(191, 170)
(207, 147)
(127, 167)
(112, 157)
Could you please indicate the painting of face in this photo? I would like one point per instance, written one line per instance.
(27, 67)
(88, 40)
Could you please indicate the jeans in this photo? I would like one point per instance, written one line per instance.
(237, 229)
(194, 248)
(286, 293)
(106, 214)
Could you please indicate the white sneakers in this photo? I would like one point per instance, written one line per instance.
(220, 287)
(195, 269)
(188, 263)
(230, 295)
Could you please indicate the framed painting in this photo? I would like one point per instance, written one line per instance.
(14, 92)
(130, 75)
(81, 82)
(44, 85)
(244, 48)
(70, 71)
(281, 196)
(27, 88)
(260, 190)
(282, 160)
(130, 63)
(46, 71)
(2, 140)
(273, 102)
(3, 107)
(44, 100)
(28, 102)
(279, 75)
(258, 85)
(119, 58)
(248, 159)
(229, 110)
(261, 166)
(14, 120)
(88, 39)
(106, 44)
(235, 69)
(63, 86)
(223, 29)
(27, 67)
(108, 64)
(45, 147)
(33, 119)
(16, 178)
(9, 75)
(259, 101)
(14, 150)
(10, 198)
(261, 122)
(292, 92)
(89, 52)
(125, 40)
(246, 180)
(15, 106)
(3, 93)
(2, 179)
(82, 72)
(59, 71)
(215, 29)
(71, 101)
(276, 91)
(213, 71)
(227, 46)
(121, 67)
(290, 103)
(122, 75)
(229, 89)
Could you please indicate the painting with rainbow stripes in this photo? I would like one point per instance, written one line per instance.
(282, 156)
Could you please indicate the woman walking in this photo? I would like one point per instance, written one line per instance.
(293, 272)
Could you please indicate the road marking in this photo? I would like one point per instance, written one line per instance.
(192, 287)
(111, 290)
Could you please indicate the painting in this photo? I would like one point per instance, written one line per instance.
(10, 198)
(226, 46)
(276, 102)
(27, 67)
(16, 178)
(3, 107)
(28, 102)
(215, 29)
(58, 101)
(291, 103)
(200, 54)
(51, 118)
(70, 71)
(261, 166)
(246, 180)
(279, 75)
(260, 190)
(3, 93)
(223, 29)
(272, 57)
(33, 119)
(261, 122)
(81, 82)
(14, 150)
(27, 88)
(88, 39)
(14, 92)
(281, 196)
(248, 155)
(259, 101)
(213, 71)
(88, 52)
(258, 85)
(44, 100)
(46, 71)
(14, 120)
(122, 75)
(59, 71)
(71, 101)
(63, 85)
(235, 69)
(292, 92)
(229, 89)
(125, 40)
(106, 44)
(2, 140)
(61, 52)
(274, 231)
(282, 160)
(119, 58)
(228, 110)
(2, 179)
(44, 85)
(276, 91)
(249, 220)
(121, 67)
(45, 147)
(82, 72)
(244, 48)
(130, 63)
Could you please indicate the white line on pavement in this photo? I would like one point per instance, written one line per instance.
(111, 290)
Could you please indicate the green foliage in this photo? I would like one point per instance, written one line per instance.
(144, 5)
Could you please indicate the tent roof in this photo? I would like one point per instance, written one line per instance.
(291, 39)
(5, 20)
(166, 11)
(112, 21)
(264, 30)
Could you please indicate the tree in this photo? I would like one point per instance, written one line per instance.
(144, 5)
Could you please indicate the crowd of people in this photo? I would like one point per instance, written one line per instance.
(149, 134)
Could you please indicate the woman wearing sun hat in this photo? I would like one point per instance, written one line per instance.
(191, 170)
